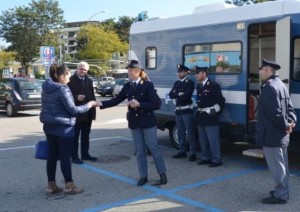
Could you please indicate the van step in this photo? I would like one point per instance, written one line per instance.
(257, 153)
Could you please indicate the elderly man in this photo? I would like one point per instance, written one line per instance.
(276, 119)
(83, 92)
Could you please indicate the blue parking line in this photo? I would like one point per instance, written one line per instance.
(217, 179)
(167, 193)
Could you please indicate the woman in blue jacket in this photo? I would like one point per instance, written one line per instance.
(140, 94)
(58, 116)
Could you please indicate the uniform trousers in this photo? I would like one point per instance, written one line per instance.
(141, 138)
(82, 129)
(59, 147)
(210, 143)
(185, 123)
(277, 160)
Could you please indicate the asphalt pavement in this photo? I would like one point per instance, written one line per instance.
(110, 183)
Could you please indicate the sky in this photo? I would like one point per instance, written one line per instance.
(83, 10)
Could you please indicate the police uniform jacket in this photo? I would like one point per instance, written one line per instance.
(142, 117)
(207, 96)
(186, 87)
(275, 112)
(87, 89)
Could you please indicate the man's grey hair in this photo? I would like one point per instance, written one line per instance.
(84, 65)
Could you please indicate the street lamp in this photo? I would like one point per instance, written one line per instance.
(85, 35)
(103, 11)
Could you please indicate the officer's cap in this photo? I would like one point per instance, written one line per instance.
(272, 64)
(182, 68)
(200, 69)
(133, 64)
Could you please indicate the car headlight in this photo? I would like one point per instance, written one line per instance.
(107, 88)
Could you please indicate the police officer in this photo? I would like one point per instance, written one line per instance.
(209, 101)
(182, 91)
(140, 94)
(276, 119)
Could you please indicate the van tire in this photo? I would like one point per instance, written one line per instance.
(10, 110)
(173, 136)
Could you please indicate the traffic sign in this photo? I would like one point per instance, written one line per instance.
(47, 54)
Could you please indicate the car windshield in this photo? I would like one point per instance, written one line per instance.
(31, 85)
(121, 81)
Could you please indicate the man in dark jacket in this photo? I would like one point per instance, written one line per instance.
(182, 91)
(209, 101)
(276, 119)
(83, 92)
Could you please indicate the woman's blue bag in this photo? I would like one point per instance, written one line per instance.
(41, 150)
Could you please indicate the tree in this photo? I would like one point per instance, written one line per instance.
(123, 27)
(6, 58)
(29, 27)
(99, 44)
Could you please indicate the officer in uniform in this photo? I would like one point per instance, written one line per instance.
(209, 101)
(182, 91)
(276, 119)
(140, 94)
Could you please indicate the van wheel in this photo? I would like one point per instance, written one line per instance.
(10, 110)
(173, 136)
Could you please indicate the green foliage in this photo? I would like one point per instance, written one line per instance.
(29, 27)
(6, 58)
(99, 44)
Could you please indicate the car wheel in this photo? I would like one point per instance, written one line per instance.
(10, 110)
(173, 136)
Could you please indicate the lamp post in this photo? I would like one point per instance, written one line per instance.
(103, 11)
(85, 35)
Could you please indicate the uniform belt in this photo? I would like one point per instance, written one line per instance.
(207, 109)
(184, 107)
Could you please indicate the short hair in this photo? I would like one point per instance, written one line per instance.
(83, 64)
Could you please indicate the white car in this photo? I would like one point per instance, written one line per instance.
(119, 85)
(103, 80)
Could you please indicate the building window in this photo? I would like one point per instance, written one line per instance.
(151, 54)
(218, 57)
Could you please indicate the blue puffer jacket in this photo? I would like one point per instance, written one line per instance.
(58, 109)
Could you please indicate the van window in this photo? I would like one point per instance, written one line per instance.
(218, 57)
(151, 58)
(296, 67)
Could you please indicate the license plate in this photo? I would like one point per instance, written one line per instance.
(33, 96)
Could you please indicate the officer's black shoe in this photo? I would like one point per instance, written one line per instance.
(192, 157)
(179, 155)
(272, 192)
(142, 181)
(163, 180)
(273, 200)
(77, 161)
(203, 162)
(214, 164)
(90, 158)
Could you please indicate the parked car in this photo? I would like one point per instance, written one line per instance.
(104, 80)
(107, 88)
(95, 83)
(119, 85)
(20, 94)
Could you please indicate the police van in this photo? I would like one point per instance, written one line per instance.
(231, 41)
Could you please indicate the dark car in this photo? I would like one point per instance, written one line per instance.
(20, 94)
(107, 88)
(119, 85)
